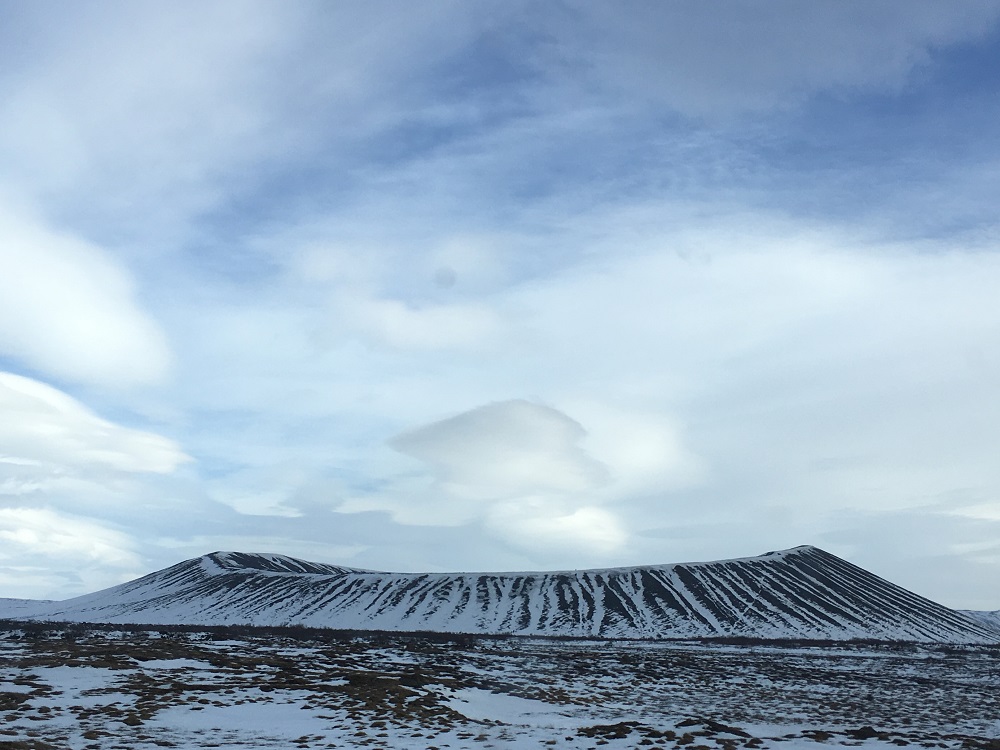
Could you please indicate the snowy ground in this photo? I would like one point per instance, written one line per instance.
(93, 689)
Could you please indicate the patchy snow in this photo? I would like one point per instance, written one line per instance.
(251, 721)
(187, 691)
(10, 687)
(488, 706)
(80, 682)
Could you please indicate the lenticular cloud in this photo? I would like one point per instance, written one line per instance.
(43, 427)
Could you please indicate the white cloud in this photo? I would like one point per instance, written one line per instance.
(429, 327)
(503, 450)
(259, 490)
(471, 263)
(37, 542)
(548, 532)
(982, 511)
(254, 502)
(50, 444)
(68, 309)
(414, 501)
(44, 428)
(328, 262)
(107, 103)
(46, 532)
(516, 467)
(643, 451)
(147, 116)
(781, 349)
(506, 460)
(360, 219)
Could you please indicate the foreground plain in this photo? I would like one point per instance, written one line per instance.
(91, 688)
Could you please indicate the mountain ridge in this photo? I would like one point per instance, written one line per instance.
(802, 592)
(233, 559)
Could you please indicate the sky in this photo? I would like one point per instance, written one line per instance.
(468, 286)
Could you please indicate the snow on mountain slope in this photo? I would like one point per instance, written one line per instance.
(798, 593)
(992, 619)
(15, 608)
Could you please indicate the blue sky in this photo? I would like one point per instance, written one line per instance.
(463, 286)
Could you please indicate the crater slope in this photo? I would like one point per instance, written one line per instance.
(803, 593)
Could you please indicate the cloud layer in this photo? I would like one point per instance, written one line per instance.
(469, 287)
